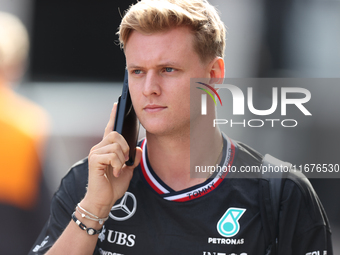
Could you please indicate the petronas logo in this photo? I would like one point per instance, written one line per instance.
(228, 225)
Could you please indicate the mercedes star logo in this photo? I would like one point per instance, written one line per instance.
(125, 209)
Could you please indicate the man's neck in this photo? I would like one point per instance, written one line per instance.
(171, 157)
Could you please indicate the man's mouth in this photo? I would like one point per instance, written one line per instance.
(154, 108)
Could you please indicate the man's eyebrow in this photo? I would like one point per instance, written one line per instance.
(168, 63)
(133, 67)
(165, 64)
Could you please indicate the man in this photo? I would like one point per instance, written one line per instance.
(163, 209)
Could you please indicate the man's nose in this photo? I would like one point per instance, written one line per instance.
(152, 84)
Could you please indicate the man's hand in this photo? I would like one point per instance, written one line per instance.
(109, 177)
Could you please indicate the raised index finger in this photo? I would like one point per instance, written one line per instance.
(111, 123)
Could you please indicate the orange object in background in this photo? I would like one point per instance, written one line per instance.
(23, 130)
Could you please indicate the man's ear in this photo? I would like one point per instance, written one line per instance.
(217, 71)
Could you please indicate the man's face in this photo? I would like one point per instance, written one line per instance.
(160, 66)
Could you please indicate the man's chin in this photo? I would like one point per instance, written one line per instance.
(160, 130)
(157, 132)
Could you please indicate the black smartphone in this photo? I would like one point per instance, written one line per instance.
(126, 121)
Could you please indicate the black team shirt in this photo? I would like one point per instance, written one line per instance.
(220, 216)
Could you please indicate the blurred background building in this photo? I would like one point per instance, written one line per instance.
(75, 71)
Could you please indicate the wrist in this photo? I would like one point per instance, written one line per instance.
(86, 222)
(101, 211)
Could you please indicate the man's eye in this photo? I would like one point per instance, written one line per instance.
(137, 71)
(169, 69)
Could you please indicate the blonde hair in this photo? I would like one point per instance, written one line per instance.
(14, 42)
(149, 16)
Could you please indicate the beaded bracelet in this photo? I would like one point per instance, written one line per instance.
(89, 231)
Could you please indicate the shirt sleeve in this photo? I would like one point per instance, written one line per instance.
(304, 228)
(72, 189)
